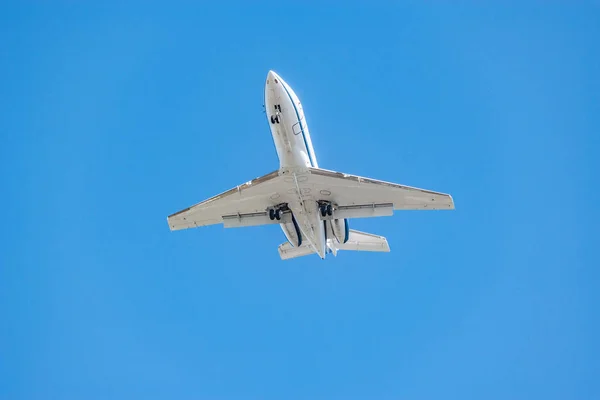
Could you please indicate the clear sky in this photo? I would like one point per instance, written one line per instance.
(113, 118)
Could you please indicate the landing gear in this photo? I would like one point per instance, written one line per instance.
(275, 117)
(323, 210)
(277, 212)
(326, 209)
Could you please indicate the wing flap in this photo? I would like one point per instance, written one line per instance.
(254, 219)
(362, 211)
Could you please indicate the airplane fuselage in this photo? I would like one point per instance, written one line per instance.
(295, 151)
(288, 125)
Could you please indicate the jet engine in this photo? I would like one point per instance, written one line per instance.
(340, 229)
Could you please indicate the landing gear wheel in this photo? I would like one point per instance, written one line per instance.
(278, 215)
(272, 214)
(276, 118)
(329, 210)
(272, 119)
(323, 210)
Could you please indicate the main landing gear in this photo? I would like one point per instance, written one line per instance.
(275, 213)
(326, 209)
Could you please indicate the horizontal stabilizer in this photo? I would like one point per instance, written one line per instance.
(287, 251)
(361, 241)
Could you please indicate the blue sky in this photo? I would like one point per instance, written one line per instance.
(115, 117)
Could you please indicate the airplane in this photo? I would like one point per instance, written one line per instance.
(312, 205)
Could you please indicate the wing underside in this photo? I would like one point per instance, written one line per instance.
(353, 192)
(354, 197)
(248, 200)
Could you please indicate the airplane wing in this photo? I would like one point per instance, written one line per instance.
(355, 197)
(351, 190)
(249, 200)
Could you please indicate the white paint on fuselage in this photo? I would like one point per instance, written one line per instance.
(291, 135)
(295, 152)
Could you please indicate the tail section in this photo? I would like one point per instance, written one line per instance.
(361, 241)
(357, 241)
(287, 251)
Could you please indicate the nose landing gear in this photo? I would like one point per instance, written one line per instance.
(275, 117)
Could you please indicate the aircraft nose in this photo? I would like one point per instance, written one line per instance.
(272, 77)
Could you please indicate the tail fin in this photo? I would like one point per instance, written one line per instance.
(361, 241)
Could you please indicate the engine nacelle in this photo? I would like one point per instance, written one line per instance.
(340, 229)
(292, 232)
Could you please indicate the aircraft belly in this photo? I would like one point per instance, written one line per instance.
(306, 213)
(296, 152)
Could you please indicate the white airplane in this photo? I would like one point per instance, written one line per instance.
(311, 205)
